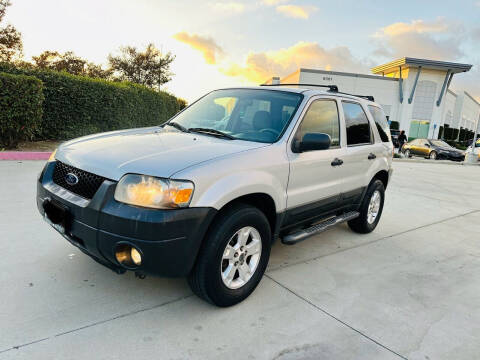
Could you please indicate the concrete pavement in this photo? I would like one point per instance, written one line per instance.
(411, 289)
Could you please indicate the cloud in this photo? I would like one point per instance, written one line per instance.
(416, 26)
(206, 45)
(260, 66)
(295, 11)
(437, 39)
(228, 7)
(274, 2)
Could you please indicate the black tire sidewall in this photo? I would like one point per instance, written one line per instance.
(361, 224)
(377, 185)
(217, 291)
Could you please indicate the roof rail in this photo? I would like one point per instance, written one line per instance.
(332, 88)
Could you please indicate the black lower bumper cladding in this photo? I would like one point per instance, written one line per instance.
(169, 240)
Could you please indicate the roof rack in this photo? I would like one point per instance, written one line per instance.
(367, 97)
(332, 88)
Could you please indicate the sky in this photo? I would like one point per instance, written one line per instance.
(230, 43)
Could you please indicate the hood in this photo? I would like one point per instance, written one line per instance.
(150, 151)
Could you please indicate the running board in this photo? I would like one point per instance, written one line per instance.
(316, 229)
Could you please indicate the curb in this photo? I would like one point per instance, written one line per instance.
(25, 155)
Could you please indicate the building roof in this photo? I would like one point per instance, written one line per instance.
(424, 63)
(340, 73)
(472, 98)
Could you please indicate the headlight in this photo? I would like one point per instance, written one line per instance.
(52, 156)
(153, 192)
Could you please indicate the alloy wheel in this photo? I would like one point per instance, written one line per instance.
(374, 207)
(241, 257)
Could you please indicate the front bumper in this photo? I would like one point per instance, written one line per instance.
(169, 240)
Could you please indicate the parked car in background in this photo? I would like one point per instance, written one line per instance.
(432, 149)
(395, 134)
(476, 150)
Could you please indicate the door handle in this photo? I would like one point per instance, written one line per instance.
(372, 156)
(337, 162)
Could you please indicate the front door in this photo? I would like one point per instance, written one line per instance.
(315, 181)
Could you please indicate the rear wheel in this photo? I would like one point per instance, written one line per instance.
(370, 209)
(407, 153)
(433, 155)
(233, 258)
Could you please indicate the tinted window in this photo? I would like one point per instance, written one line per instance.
(246, 114)
(381, 122)
(321, 117)
(358, 127)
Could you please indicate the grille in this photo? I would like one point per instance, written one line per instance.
(87, 185)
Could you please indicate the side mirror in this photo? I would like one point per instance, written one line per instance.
(312, 141)
(427, 145)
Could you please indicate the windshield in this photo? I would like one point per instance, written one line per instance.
(439, 143)
(245, 114)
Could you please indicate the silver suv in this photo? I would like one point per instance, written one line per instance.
(206, 194)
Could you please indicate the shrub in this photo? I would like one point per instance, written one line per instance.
(21, 99)
(76, 106)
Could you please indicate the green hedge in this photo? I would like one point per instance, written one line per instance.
(21, 99)
(76, 106)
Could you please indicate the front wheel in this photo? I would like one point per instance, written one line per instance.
(233, 258)
(433, 155)
(407, 153)
(370, 209)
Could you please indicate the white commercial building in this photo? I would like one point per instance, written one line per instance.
(413, 92)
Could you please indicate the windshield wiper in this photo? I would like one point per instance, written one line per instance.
(213, 132)
(177, 126)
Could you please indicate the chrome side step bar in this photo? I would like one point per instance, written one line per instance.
(301, 235)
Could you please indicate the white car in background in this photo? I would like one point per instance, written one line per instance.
(475, 150)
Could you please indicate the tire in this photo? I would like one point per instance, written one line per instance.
(363, 223)
(407, 153)
(207, 277)
(432, 155)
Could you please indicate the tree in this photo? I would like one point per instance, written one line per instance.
(71, 63)
(10, 39)
(53, 60)
(150, 67)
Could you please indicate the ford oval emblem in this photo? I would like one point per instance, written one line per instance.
(71, 179)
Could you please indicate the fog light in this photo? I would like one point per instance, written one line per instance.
(136, 256)
(128, 256)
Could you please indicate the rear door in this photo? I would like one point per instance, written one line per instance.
(315, 185)
(361, 152)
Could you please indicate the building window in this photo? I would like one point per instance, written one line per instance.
(358, 127)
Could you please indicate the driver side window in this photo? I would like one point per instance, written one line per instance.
(321, 117)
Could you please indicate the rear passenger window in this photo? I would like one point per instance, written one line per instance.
(321, 117)
(358, 127)
(381, 122)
